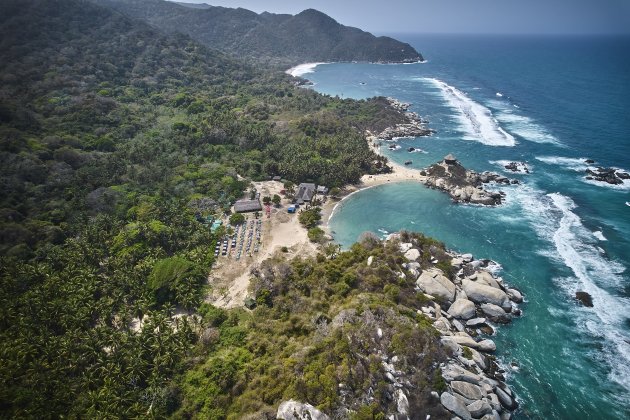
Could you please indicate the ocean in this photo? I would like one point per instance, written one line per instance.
(551, 102)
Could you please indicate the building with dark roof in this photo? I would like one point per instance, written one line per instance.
(246, 206)
(305, 193)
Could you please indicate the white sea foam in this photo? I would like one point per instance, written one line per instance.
(573, 164)
(302, 69)
(599, 235)
(475, 119)
(580, 165)
(575, 247)
(522, 125)
(520, 167)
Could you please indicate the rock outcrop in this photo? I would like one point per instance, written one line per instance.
(608, 175)
(475, 387)
(294, 410)
(464, 186)
(413, 127)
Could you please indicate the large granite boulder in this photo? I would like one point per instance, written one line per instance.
(433, 282)
(482, 293)
(456, 405)
(295, 410)
(462, 309)
(412, 255)
(468, 390)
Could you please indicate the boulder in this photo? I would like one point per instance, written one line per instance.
(506, 401)
(468, 390)
(294, 410)
(488, 279)
(453, 372)
(479, 408)
(486, 346)
(584, 298)
(482, 293)
(462, 309)
(515, 295)
(458, 326)
(451, 346)
(475, 322)
(412, 255)
(494, 312)
(405, 246)
(442, 325)
(433, 282)
(492, 416)
(455, 405)
(402, 403)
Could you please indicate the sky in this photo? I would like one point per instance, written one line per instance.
(460, 16)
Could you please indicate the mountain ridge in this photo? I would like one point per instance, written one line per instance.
(274, 38)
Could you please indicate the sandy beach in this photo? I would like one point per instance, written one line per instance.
(229, 279)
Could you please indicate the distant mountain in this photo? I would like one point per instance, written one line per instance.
(306, 37)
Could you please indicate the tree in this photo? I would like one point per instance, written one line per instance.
(237, 219)
(266, 200)
(276, 200)
(310, 218)
(316, 235)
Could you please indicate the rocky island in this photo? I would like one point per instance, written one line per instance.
(464, 186)
(611, 176)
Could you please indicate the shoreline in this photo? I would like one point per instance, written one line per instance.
(398, 174)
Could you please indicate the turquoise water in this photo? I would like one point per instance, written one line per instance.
(550, 102)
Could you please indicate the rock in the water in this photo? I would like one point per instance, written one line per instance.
(479, 408)
(584, 298)
(486, 278)
(462, 309)
(481, 293)
(506, 401)
(515, 295)
(412, 255)
(467, 390)
(294, 410)
(433, 282)
(486, 345)
(455, 405)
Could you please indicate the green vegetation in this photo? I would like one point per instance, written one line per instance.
(315, 327)
(237, 219)
(316, 235)
(310, 218)
(117, 142)
(276, 200)
(310, 36)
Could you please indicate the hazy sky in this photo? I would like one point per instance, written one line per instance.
(460, 16)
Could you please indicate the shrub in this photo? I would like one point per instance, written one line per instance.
(237, 219)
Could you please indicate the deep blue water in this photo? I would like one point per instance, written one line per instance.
(550, 102)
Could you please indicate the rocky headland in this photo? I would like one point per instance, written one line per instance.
(414, 126)
(464, 186)
(462, 300)
(465, 304)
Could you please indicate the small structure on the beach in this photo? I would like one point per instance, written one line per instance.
(322, 190)
(246, 206)
(305, 193)
(277, 178)
(450, 159)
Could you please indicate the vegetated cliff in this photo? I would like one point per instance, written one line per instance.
(277, 38)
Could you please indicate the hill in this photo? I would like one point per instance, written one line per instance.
(309, 36)
(111, 134)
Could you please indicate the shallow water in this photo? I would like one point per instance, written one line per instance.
(549, 102)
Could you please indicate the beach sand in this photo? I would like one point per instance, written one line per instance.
(229, 278)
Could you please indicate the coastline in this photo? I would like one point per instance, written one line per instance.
(399, 173)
